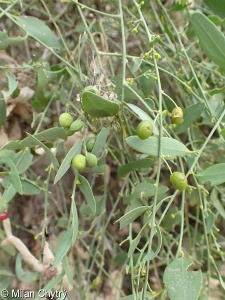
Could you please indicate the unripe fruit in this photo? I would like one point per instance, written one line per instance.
(92, 160)
(92, 89)
(90, 144)
(179, 181)
(177, 116)
(144, 129)
(178, 121)
(76, 126)
(79, 161)
(65, 120)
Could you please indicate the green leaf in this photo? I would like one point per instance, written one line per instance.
(74, 220)
(171, 219)
(76, 149)
(9, 193)
(180, 283)
(191, 114)
(143, 116)
(133, 245)
(215, 174)
(67, 269)
(219, 207)
(210, 37)
(37, 29)
(14, 176)
(30, 187)
(2, 109)
(27, 277)
(210, 221)
(151, 255)
(63, 247)
(217, 6)
(87, 192)
(131, 216)
(46, 149)
(5, 40)
(6, 273)
(100, 141)
(147, 81)
(145, 163)
(23, 160)
(12, 83)
(147, 189)
(137, 63)
(97, 106)
(171, 148)
(51, 134)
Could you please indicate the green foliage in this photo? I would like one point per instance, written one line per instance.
(97, 106)
(171, 148)
(214, 174)
(117, 218)
(6, 40)
(2, 109)
(210, 37)
(37, 29)
(217, 6)
(181, 283)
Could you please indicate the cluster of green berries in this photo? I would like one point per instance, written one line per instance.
(70, 126)
(80, 161)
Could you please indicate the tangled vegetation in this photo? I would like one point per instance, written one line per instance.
(112, 171)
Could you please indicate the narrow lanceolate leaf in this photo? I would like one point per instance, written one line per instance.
(76, 149)
(14, 176)
(214, 174)
(171, 148)
(131, 216)
(210, 37)
(63, 247)
(98, 107)
(87, 192)
(100, 141)
(2, 109)
(12, 83)
(180, 283)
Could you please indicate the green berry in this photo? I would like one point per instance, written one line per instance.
(177, 115)
(179, 181)
(77, 126)
(65, 120)
(90, 144)
(92, 160)
(79, 161)
(144, 129)
(177, 121)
